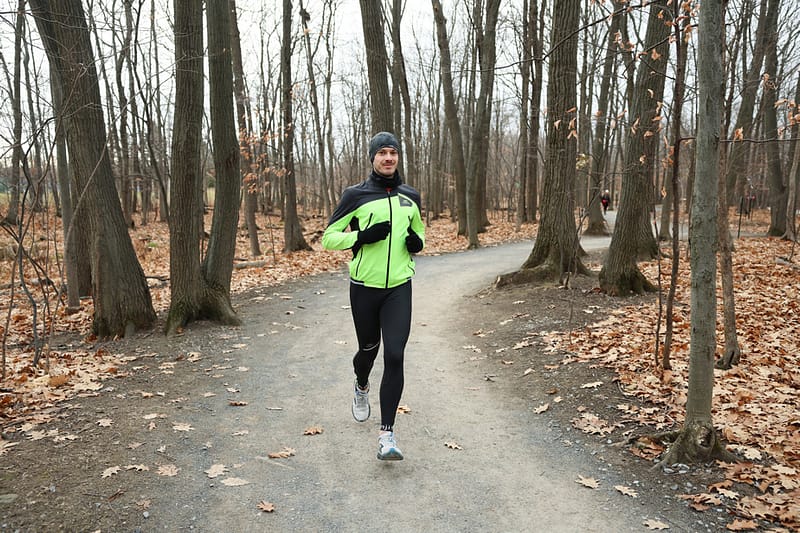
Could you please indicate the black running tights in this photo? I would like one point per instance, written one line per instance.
(382, 313)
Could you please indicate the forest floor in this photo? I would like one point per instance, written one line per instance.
(538, 419)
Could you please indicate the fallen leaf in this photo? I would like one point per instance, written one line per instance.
(590, 482)
(283, 454)
(627, 491)
(541, 409)
(453, 446)
(403, 409)
(110, 471)
(234, 482)
(58, 380)
(592, 385)
(527, 371)
(237, 403)
(742, 525)
(265, 506)
(138, 468)
(105, 422)
(216, 470)
(313, 430)
(168, 470)
(182, 426)
(655, 524)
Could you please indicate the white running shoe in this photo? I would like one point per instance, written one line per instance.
(387, 448)
(360, 405)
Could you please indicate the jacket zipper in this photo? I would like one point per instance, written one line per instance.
(389, 250)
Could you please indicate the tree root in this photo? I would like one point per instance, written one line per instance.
(696, 443)
(729, 360)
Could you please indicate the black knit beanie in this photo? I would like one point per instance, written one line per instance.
(382, 140)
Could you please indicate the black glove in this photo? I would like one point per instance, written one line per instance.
(413, 242)
(376, 232)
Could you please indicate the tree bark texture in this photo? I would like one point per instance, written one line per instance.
(122, 300)
(377, 64)
(697, 440)
(218, 263)
(555, 252)
(633, 236)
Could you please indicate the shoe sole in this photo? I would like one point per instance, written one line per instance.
(391, 456)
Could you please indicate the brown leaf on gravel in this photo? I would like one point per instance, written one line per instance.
(234, 482)
(590, 482)
(216, 470)
(742, 525)
(283, 454)
(453, 446)
(627, 491)
(237, 403)
(168, 470)
(403, 409)
(105, 422)
(182, 426)
(110, 471)
(313, 430)
(541, 409)
(655, 524)
(266, 506)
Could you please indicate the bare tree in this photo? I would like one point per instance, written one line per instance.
(251, 181)
(633, 236)
(121, 296)
(697, 441)
(292, 231)
(555, 252)
(452, 118)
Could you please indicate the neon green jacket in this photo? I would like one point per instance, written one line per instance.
(383, 264)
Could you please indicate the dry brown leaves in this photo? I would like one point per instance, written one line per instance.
(755, 403)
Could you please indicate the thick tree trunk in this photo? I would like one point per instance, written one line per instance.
(121, 296)
(633, 236)
(555, 252)
(377, 61)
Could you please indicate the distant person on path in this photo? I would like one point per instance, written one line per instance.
(383, 216)
(605, 199)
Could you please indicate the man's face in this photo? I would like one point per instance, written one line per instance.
(385, 162)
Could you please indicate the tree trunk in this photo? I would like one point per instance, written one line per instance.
(247, 167)
(525, 81)
(774, 170)
(218, 264)
(479, 153)
(537, 31)
(67, 218)
(377, 62)
(15, 84)
(400, 80)
(737, 159)
(555, 252)
(452, 118)
(121, 296)
(292, 231)
(633, 236)
(697, 441)
(597, 223)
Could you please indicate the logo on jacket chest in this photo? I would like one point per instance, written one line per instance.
(405, 202)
